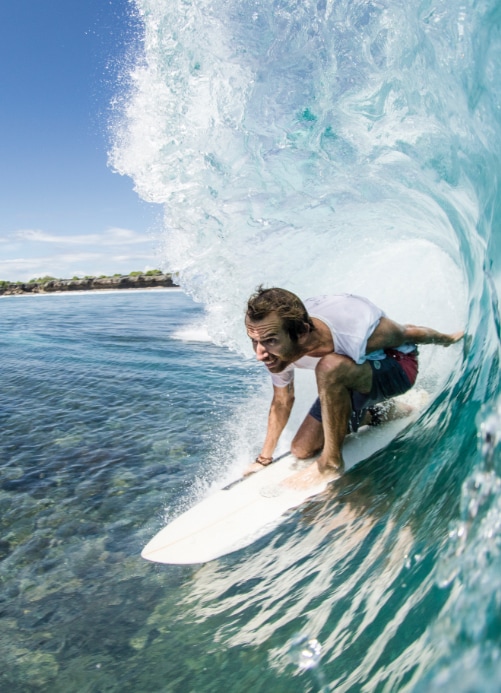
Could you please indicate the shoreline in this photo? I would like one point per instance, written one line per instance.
(89, 284)
(83, 292)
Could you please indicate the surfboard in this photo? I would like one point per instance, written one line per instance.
(245, 510)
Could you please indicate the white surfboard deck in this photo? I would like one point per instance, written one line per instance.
(248, 508)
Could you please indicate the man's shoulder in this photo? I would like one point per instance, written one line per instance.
(324, 298)
(329, 300)
(333, 299)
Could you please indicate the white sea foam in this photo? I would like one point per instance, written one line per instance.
(192, 333)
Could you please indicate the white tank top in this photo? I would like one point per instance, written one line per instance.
(351, 320)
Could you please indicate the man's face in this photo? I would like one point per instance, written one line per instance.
(271, 343)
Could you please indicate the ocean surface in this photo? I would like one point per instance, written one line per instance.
(116, 415)
(324, 147)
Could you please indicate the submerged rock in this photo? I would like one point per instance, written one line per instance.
(35, 668)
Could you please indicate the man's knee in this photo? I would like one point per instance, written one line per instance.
(302, 450)
(333, 367)
(309, 439)
(298, 450)
(335, 370)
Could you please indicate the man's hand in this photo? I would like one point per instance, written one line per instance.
(452, 338)
(259, 463)
(252, 469)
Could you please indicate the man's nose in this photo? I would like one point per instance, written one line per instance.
(261, 352)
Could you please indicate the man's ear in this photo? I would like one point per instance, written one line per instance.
(305, 334)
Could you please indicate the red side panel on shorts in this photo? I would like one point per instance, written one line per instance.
(408, 362)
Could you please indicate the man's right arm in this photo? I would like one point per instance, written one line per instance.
(390, 335)
(280, 409)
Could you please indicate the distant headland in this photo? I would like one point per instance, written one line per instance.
(46, 285)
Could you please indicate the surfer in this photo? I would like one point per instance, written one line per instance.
(361, 359)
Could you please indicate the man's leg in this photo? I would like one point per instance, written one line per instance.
(337, 376)
(309, 438)
(345, 387)
(392, 376)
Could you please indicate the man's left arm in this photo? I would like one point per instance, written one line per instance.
(389, 335)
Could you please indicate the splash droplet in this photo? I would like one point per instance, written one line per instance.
(305, 652)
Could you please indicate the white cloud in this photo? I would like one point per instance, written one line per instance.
(111, 236)
(29, 253)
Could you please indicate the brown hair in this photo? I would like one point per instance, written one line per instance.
(287, 305)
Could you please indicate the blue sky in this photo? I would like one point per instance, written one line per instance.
(63, 210)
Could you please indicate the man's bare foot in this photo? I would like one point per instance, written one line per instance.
(311, 477)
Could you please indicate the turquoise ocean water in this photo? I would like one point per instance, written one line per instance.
(325, 147)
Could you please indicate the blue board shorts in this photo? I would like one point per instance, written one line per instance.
(391, 376)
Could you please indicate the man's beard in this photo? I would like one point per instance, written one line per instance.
(277, 364)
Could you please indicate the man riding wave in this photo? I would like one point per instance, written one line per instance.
(361, 358)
